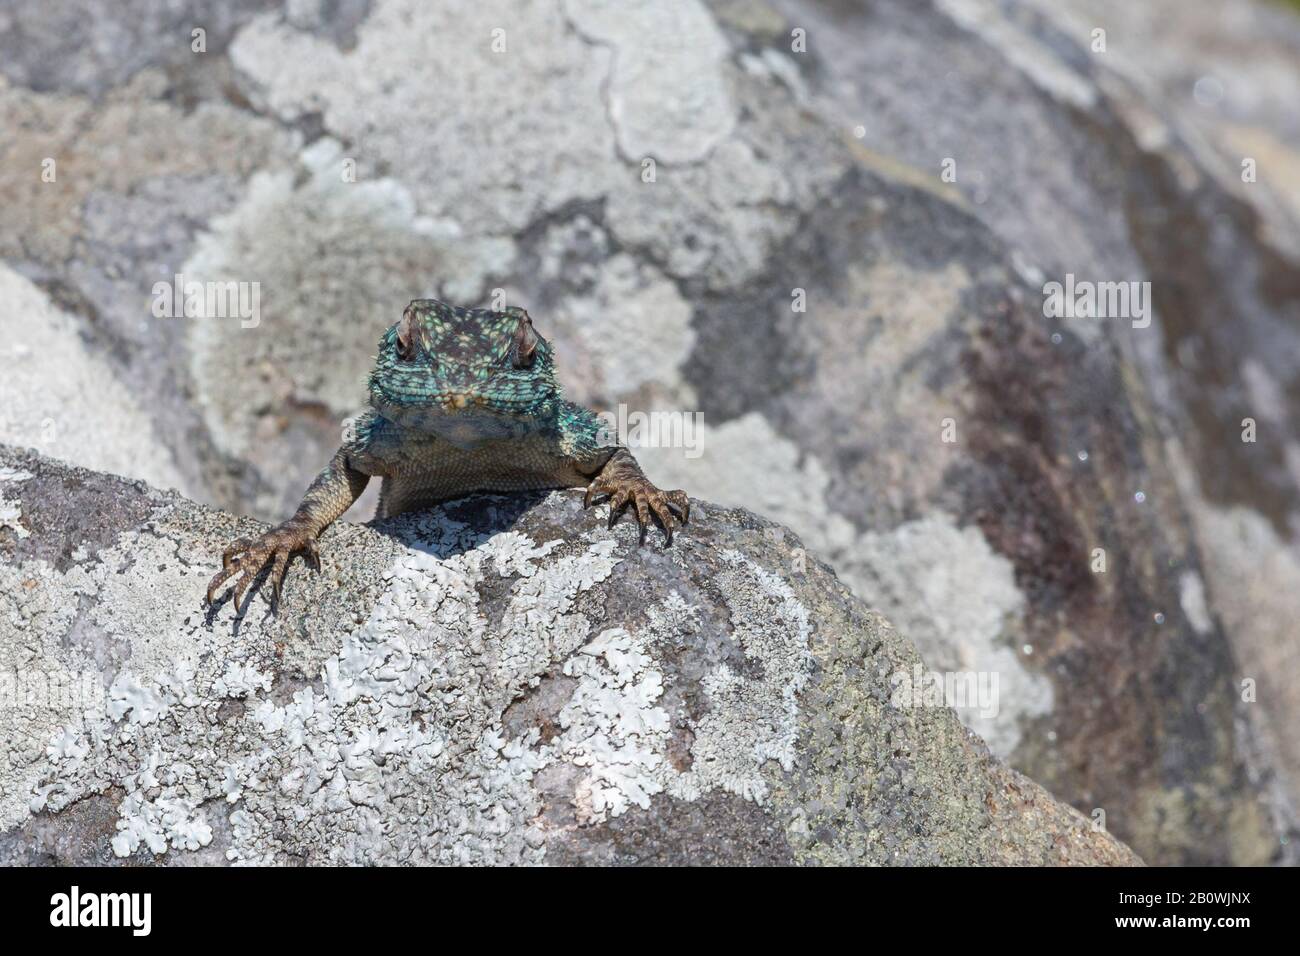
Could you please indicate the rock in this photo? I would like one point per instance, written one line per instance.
(501, 680)
(665, 192)
(76, 405)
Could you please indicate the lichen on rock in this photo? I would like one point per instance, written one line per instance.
(497, 681)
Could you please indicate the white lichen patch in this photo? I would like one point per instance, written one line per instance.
(616, 729)
(397, 755)
(487, 162)
(609, 86)
(240, 680)
(613, 727)
(158, 824)
(956, 598)
(398, 750)
(11, 512)
(607, 327)
(720, 218)
(752, 720)
(667, 93)
(53, 626)
(399, 744)
(42, 688)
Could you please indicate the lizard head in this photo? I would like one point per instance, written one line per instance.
(462, 372)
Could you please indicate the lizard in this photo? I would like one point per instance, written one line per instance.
(461, 400)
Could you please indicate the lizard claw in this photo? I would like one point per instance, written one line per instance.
(247, 558)
(239, 544)
(617, 504)
(664, 507)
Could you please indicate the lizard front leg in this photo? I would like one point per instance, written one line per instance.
(332, 493)
(624, 483)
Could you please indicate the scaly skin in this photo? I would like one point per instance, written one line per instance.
(461, 400)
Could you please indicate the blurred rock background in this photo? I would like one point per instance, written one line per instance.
(503, 149)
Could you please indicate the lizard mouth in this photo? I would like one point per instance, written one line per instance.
(461, 419)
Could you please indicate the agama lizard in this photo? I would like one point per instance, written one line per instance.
(461, 400)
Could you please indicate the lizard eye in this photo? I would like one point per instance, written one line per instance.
(524, 349)
(407, 335)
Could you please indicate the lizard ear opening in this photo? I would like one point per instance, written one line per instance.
(407, 335)
(525, 348)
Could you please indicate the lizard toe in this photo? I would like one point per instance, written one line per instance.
(220, 578)
(618, 501)
(663, 516)
(667, 509)
(642, 503)
(241, 586)
(680, 501)
(598, 488)
(277, 574)
(248, 558)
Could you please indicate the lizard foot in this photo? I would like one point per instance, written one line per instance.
(247, 557)
(636, 490)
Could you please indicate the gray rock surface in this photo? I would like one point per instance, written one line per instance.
(496, 681)
(522, 169)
